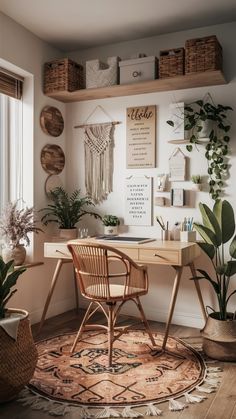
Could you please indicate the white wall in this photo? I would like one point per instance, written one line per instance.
(22, 51)
(156, 303)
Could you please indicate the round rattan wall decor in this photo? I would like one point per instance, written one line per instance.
(52, 159)
(52, 182)
(51, 121)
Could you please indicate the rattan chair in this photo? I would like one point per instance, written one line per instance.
(108, 290)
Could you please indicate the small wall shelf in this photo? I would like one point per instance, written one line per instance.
(207, 78)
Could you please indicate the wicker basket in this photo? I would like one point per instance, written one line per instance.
(99, 74)
(203, 54)
(171, 63)
(17, 359)
(63, 75)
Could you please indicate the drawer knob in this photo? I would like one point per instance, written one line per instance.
(62, 253)
(136, 73)
(156, 254)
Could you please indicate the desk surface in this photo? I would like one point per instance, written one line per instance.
(155, 252)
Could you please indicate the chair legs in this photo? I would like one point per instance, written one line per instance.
(86, 316)
(111, 320)
(111, 308)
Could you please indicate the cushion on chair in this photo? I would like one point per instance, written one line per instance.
(116, 290)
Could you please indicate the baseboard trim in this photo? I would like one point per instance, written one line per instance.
(54, 309)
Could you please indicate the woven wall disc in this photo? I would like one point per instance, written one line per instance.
(52, 159)
(51, 121)
(52, 182)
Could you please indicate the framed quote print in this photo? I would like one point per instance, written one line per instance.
(140, 137)
(138, 200)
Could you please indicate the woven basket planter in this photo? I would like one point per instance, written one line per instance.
(99, 74)
(63, 75)
(203, 54)
(171, 63)
(219, 338)
(17, 359)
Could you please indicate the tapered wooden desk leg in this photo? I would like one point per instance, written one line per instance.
(53, 284)
(76, 293)
(178, 270)
(198, 289)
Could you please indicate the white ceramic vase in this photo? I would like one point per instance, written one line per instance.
(18, 253)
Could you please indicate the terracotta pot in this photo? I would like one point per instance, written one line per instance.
(219, 338)
(18, 357)
(68, 233)
(18, 253)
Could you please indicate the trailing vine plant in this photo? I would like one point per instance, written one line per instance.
(196, 114)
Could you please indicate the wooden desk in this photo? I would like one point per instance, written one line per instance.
(173, 253)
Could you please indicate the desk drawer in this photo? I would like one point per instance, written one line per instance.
(56, 250)
(169, 257)
(132, 253)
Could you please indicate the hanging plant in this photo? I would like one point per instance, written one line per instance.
(199, 116)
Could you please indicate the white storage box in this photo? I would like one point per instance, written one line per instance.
(99, 74)
(139, 69)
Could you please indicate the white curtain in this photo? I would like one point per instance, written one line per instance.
(11, 150)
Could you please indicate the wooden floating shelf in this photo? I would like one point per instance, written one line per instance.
(207, 78)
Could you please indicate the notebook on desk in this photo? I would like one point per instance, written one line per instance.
(125, 239)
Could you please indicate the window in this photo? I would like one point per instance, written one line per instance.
(11, 138)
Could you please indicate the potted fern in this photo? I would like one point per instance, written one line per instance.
(219, 243)
(18, 354)
(67, 210)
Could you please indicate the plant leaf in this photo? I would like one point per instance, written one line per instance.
(225, 217)
(210, 221)
(208, 278)
(231, 268)
(207, 234)
(209, 249)
(232, 248)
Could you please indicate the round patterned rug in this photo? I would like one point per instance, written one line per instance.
(140, 376)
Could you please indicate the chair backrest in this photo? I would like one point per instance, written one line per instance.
(92, 267)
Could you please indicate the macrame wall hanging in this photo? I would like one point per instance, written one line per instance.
(98, 153)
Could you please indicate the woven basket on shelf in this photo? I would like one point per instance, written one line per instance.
(203, 54)
(171, 63)
(17, 359)
(63, 75)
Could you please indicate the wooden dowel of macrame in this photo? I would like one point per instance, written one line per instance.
(89, 125)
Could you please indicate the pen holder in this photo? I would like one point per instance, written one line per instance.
(188, 236)
(165, 235)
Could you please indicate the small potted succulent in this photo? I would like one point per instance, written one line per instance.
(15, 225)
(196, 179)
(111, 223)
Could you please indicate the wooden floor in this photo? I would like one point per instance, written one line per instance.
(219, 405)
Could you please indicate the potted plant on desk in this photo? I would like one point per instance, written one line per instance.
(111, 223)
(18, 354)
(67, 210)
(218, 228)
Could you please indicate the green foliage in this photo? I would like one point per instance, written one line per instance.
(216, 149)
(110, 220)
(67, 210)
(8, 279)
(196, 179)
(217, 229)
